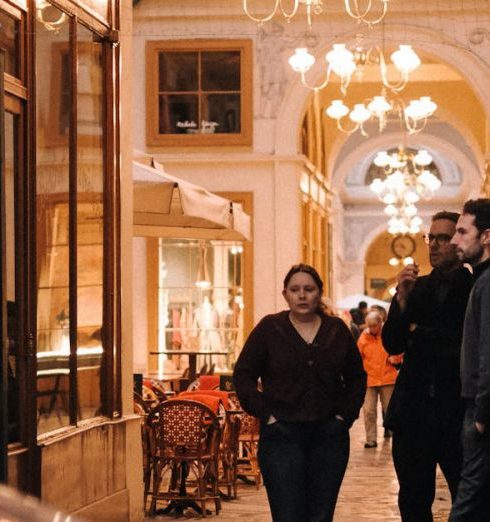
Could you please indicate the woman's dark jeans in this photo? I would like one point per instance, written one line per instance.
(303, 465)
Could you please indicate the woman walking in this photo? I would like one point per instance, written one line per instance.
(312, 386)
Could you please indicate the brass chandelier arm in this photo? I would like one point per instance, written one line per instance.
(394, 87)
(361, 16)
(355, 127)
(277, 7)
(315, 88)
(415, 126)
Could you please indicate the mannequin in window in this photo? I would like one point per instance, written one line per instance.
(206, 319)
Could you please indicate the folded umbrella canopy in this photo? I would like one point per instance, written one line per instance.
(166, 206)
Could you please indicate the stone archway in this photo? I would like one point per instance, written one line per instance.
(472, 67)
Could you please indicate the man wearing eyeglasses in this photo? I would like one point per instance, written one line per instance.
(472, 242)
(425, 322)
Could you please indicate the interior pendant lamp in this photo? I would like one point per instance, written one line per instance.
(344, 63)
(363, 11)
(203, 281)
(412, 116)
(405, 179)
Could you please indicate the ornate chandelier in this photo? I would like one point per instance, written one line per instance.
(360, 10)
(413, 115)
(407, 178)
(344, 63)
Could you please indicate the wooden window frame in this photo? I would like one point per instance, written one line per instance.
(111, 366)
(154, 138)
(316, 233)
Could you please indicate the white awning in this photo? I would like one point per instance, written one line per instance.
(166, 206)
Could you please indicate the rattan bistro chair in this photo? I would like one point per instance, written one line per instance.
(228, 457)
(186, 436)
(248, 468)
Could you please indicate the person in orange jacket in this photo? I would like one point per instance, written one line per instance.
(381, 374)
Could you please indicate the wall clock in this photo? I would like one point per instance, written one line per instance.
(403, 246)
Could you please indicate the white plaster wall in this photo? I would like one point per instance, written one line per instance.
(133, 450)
(140, 321)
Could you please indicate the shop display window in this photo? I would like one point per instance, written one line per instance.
(200, 303)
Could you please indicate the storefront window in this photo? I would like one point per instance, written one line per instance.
(90, 224)
(200, 304)
(13, 355)
(53, 264)
(71, 246)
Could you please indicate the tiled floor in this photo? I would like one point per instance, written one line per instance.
(368, 492)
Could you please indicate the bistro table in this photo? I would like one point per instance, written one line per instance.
(192, 358)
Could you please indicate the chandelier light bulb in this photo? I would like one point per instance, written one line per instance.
(394, 222)
(359, 113)
(337, 109)
(391, 210)
(428, 106)
(389, 199)
(393, 261)
(422, 158)
(396, 181)
(393, 230)
(341, 60)
(379, 106)
(405, 59)
(429, 181)
(404, 228)
(416, 221)
(411, 197)
(407, 260)
(411, 210)
(414, 110)
(421, 108)
(377, 185)
(301, 61)
(382, 159)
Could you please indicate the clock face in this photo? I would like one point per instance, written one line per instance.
(403, 246)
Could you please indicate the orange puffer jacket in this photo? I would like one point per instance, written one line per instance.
(378, 364)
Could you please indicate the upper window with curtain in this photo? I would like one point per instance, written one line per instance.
(199, 92)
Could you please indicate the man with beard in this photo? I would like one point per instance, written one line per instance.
(425, 322)
(472, 241)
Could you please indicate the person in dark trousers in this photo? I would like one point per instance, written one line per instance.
(472, 241)
(425, 322)
(312, 386)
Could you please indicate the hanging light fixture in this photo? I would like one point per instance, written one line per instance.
(344, 63)
(361, 14)
(407, 178)
(413, 116)
(203, 280)
(364, 13)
